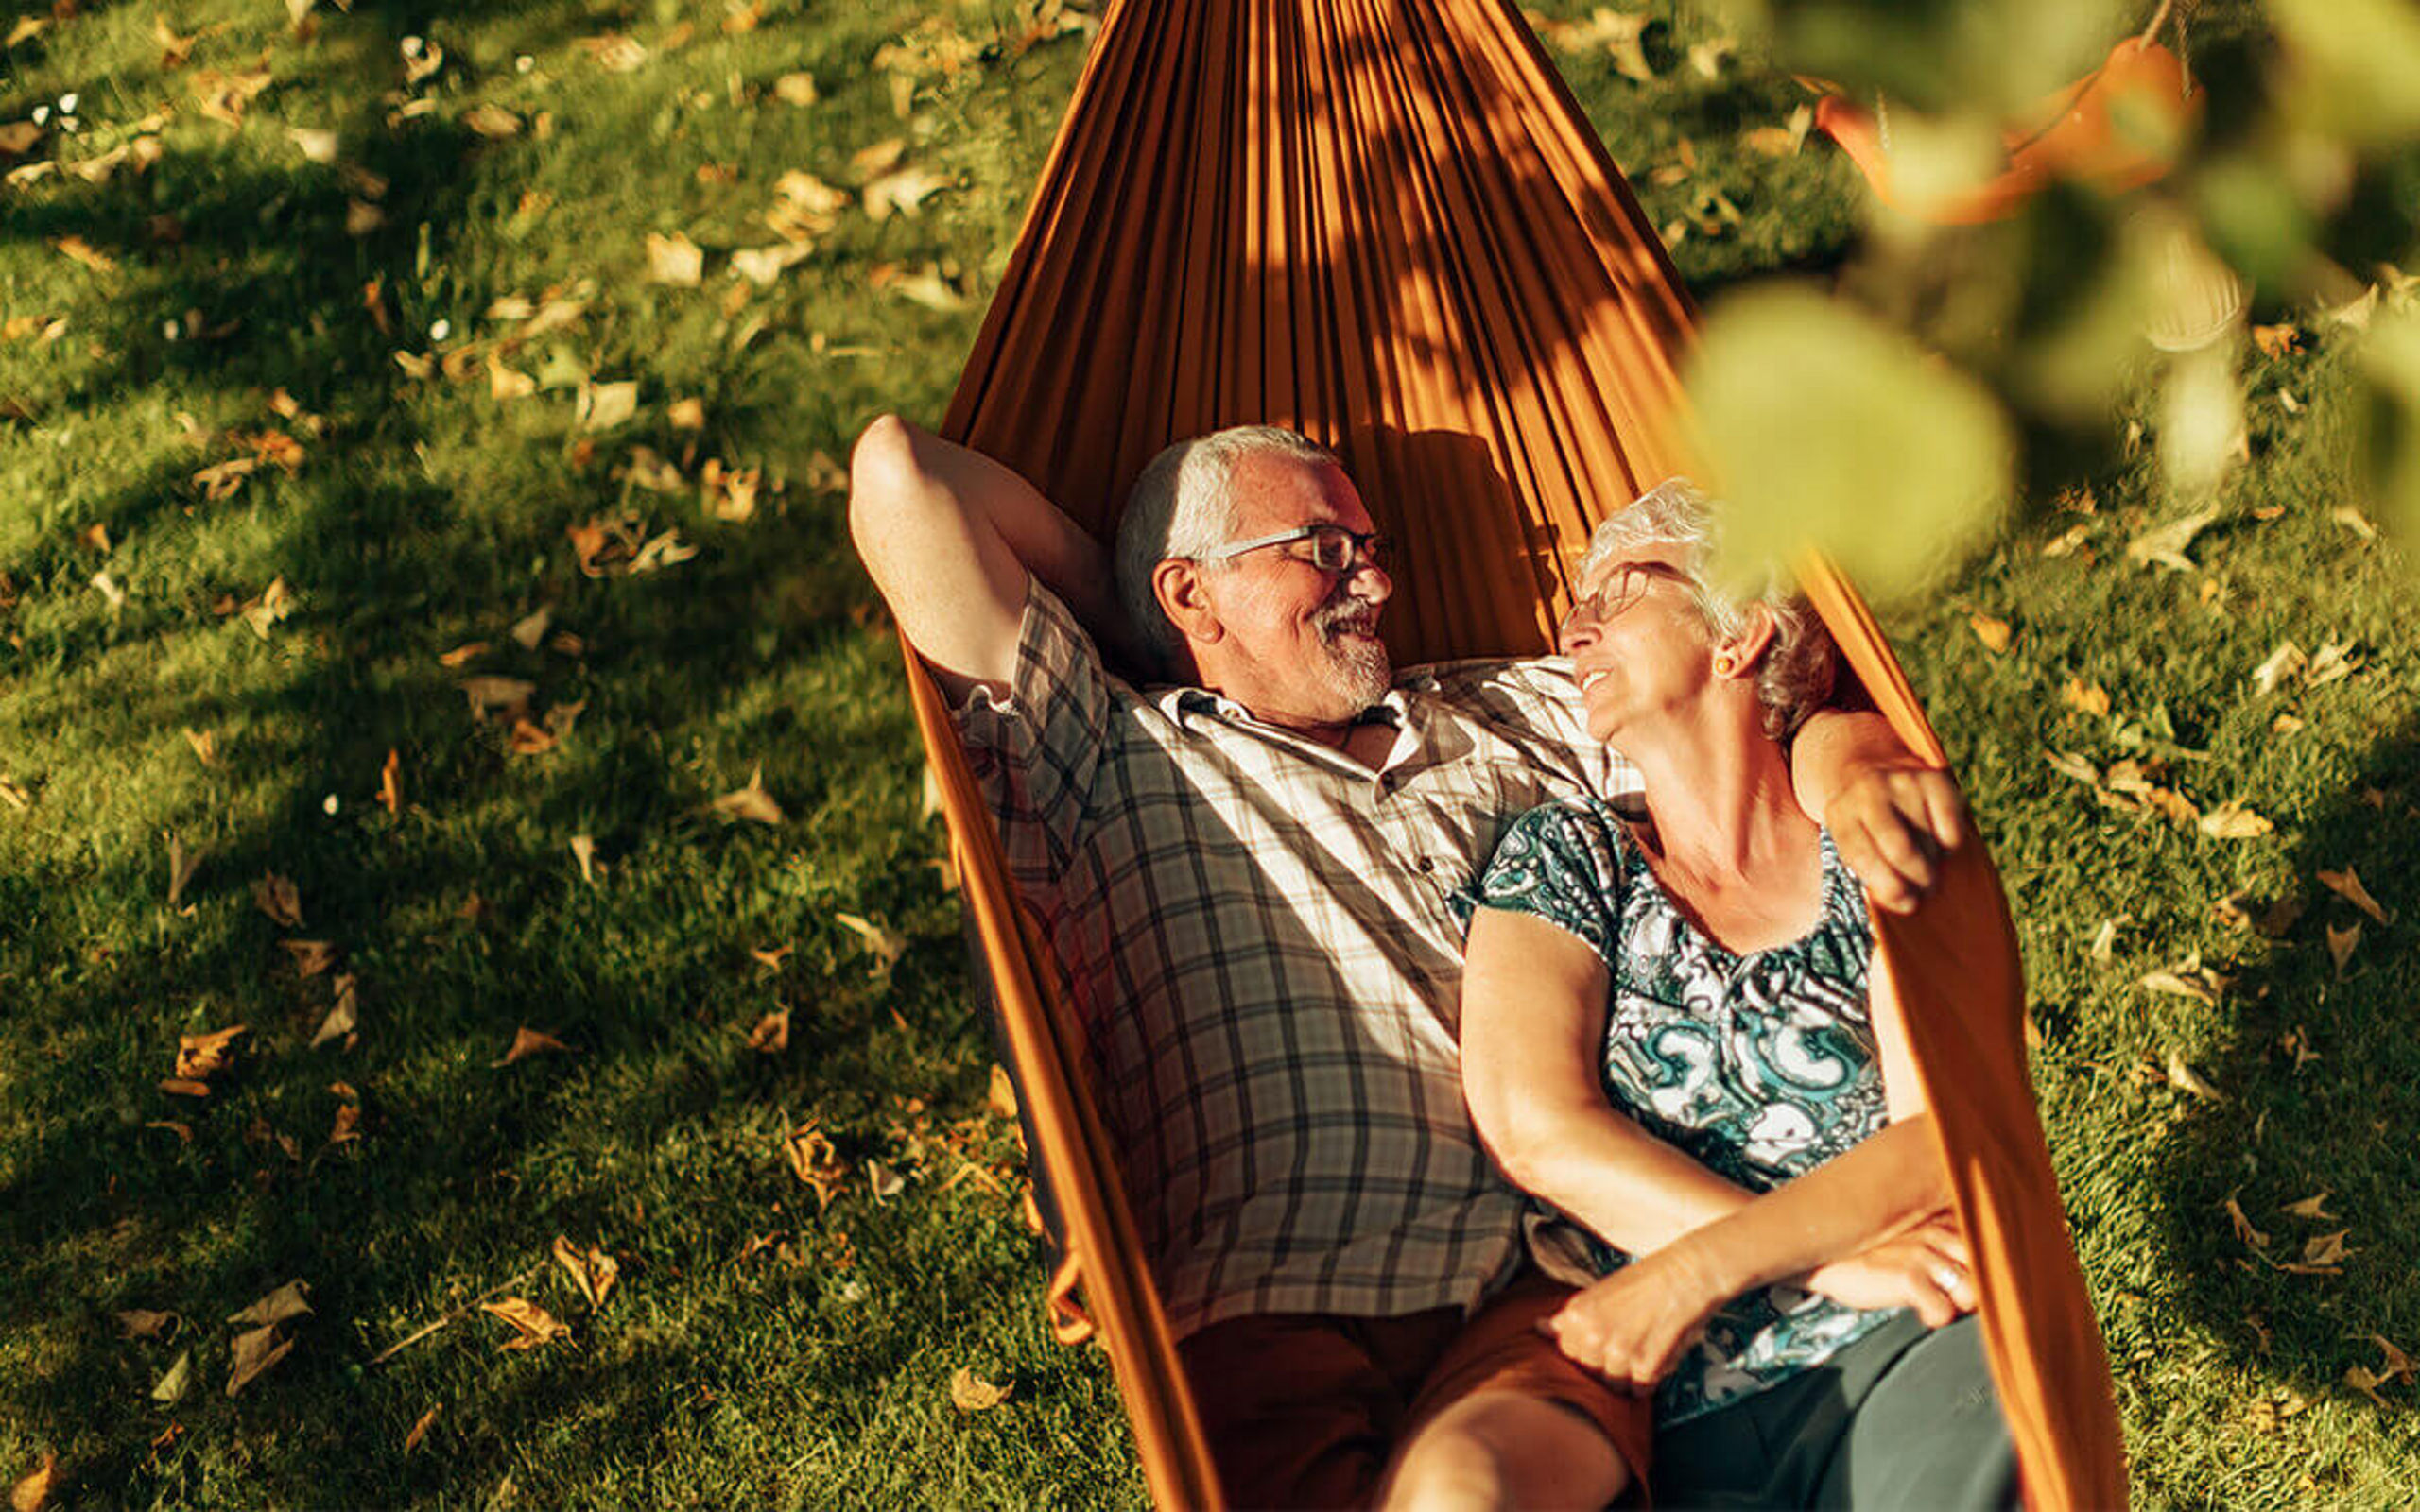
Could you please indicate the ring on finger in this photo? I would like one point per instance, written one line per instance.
(1948, 1277)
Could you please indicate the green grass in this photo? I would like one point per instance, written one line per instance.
(427, 514)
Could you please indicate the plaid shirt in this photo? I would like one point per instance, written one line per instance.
(1258, 936)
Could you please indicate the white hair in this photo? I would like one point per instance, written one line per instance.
(1795, 674)
(1183, 506)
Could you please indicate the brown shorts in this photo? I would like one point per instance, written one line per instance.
(1303, 1410)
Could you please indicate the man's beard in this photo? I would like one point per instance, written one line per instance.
(1358, 670)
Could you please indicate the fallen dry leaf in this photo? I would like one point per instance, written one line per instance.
(532, 1325)
(2085, 697)
(2347, 885)
(391, 795)
(528, 1041)
(256, 1351)
(506, 698)
(2244, 1228)
(795, 89)
(2185, 1078)
(181, 1087)
(2282, 665)
(675, 259)
(666, 550)
(343, 1018)
(2354, 520)
(592, 1270)
(887, 1183)
(418, 1431)
(77, 249)
(602, 406)
(885, 945)
(287, 1302)
(315, 146)
(276, 896)
(815, 1161)
(491, 121)
(902, 192)
(2326, 1249)
(182, 864)
(311, 956)
(750, 802)
(141, 1323)
(772, 1035)
(2277, 340)
(2189, 978)
(174, 1386)
(199, 1057)
(221, 480)
(583, 850)
(469, 651)
(32, 1491)
(2167, 545)
(770, 959)
(348, 1124)
(2398, 1365)
(969, 1392)
(2232, 820)
(1002, 1097)
(2340, 945)
(2311, 1208)
(2332, 662)
(614, 52)
(1994, 633)
(2366, 1383)
(764, 265)
(531, 628)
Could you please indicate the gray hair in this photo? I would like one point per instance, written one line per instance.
(1795, 675)
(1183, 506)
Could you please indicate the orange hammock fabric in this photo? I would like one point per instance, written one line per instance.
(1387, 224)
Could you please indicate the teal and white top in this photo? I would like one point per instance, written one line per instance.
(1760, 1067)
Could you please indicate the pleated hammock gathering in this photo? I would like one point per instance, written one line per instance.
(1387, 224)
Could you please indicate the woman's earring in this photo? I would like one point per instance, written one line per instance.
(1725, 665)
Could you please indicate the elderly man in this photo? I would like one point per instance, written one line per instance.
(1247, 875)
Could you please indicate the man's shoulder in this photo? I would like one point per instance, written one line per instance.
(1537, 676)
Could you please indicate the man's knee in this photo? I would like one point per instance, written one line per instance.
(1503, 1449)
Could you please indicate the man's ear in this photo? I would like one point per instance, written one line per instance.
(1178, 584)
(1742, 651)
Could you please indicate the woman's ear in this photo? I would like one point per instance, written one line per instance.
(1184, 599)
(1739, 655)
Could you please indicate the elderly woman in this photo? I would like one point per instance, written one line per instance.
(1666, 1039)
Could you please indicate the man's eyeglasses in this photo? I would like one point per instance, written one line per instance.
(1623, 586)
(1333, 548)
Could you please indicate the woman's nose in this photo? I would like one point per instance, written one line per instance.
(1577, 633)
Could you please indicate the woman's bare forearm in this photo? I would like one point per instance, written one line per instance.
(1885, 1186)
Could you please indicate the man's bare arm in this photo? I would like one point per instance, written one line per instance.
(1891, 814)
(950, 537)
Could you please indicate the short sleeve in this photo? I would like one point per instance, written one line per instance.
(1037, 751)
(1562, 862)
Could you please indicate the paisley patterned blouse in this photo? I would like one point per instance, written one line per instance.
(1760, 1067)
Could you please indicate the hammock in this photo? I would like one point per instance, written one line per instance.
(1387, 224)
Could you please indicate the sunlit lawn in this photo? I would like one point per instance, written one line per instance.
(413, 344)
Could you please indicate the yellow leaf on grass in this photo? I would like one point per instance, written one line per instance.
(583, 849)
(903, 191)
(199, 1057)
(796, 89)
(279, 898)
(1994, 633)
(2347, 885)
(591, 1269)
(391, 795)
(2165, 546)
(772, 1035)
(413, 1439)
(182, 864)
(491, 121)
(2311, 1208)
(173, 1386)
(750, 802)
(1002, 1097)
(2188, 978)
(181, 1087)
(2326, 1249)
(469, 651)
(675, 259)
(506, 698)
(77, 249)
(886, 945)
(528, 1041)
(2086, 698)
(532, 1325)
(256, 1351)
(141, 1323)
(2397, 1363)
(2366, 1383)
(2232, 820)
(969, 1392)
(32, 1491)
(348, 1124)
(602, 406)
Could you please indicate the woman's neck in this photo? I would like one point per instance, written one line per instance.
(1728, 837)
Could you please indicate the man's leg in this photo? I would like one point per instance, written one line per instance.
(1301, 1411)
(1928, 1434)
(1507, 1420)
